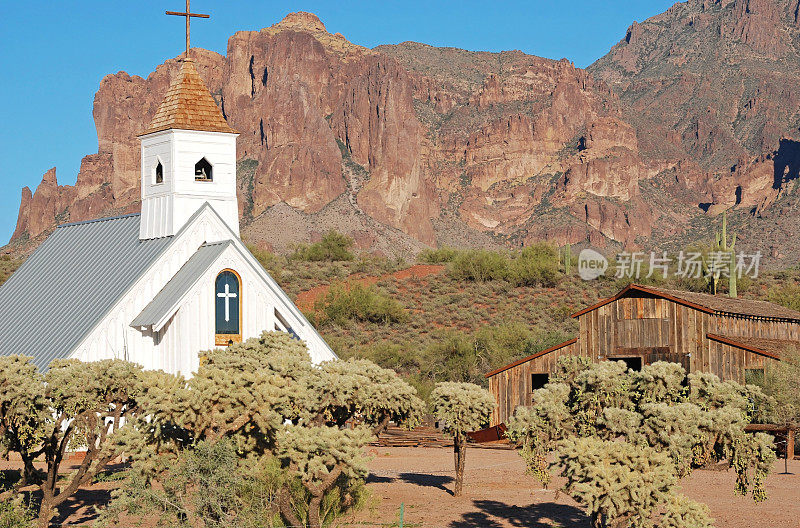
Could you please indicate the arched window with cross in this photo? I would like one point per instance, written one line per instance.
(228, 304)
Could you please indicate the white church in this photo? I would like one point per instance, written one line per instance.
(155, 288)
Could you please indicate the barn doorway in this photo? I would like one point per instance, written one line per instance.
(633, 363)
(539, 380)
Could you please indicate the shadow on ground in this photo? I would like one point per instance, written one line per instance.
(495, 514)
(82, 507)
(428, 481)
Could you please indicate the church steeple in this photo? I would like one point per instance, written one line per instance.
(188, 105)
(188, 157)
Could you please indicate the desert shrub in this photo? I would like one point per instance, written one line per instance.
(461, 408)
(355, 302)
(453, 357)
(333, 247)
(8, 266)
(271, 262)
(536, 265)
(782, 383)
(437, 256)
(478, 265)
(15, 514)
(688, 422)
(208, 486)
(787, 295)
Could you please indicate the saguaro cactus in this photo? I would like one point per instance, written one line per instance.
(713, 268)
(723, 246)
(568, 259)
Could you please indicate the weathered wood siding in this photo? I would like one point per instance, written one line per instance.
(655, 329)
(730, 362)
(754, 327)
(512, 387)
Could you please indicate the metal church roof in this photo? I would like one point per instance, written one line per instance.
(69, 283)
(167, 301)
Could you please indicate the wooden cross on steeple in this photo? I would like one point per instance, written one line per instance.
(188, 14)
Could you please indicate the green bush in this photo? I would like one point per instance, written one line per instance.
(536, 265)
(355, 302)
(333, 247)
(208, 486)
(438, 256)
(787, 295)
(14, 514)
(782, 382)
(478, 265)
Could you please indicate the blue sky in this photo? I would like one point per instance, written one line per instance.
(53, 54)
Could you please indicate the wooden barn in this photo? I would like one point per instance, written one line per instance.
(732, 338)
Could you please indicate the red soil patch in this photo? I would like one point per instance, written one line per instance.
(305, 300)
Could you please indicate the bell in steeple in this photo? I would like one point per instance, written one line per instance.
(188, 159)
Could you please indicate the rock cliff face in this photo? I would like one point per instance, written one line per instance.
(410, 145)
(715, 84)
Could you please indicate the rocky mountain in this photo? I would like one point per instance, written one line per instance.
(714, 85)
(694, 111)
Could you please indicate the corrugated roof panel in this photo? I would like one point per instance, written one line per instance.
(69, 283)
(168, 299)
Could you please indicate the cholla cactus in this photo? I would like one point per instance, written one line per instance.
(536, 428)
(461, 408)
(73, 405)
(266, 397)
(619, 483)
(680, 426)
(318, 457)
(682, 512)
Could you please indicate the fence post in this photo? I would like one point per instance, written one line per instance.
(402, 512)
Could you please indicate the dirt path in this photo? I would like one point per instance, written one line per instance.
(498, 494)
(305, 300)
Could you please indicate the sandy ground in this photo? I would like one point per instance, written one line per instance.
(497, 493)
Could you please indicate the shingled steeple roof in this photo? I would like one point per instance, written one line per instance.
(188, 105)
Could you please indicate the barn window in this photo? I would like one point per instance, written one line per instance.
(203, 171)
(159, 172)
(282, 325)
(754, 376)
(539, 380)
(227, 308)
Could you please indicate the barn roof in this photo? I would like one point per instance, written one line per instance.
(705, 302)
(772, 348)
(167, 301)
(532, 357)
(69, 283)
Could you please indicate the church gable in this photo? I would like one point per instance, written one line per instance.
(169, 314)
